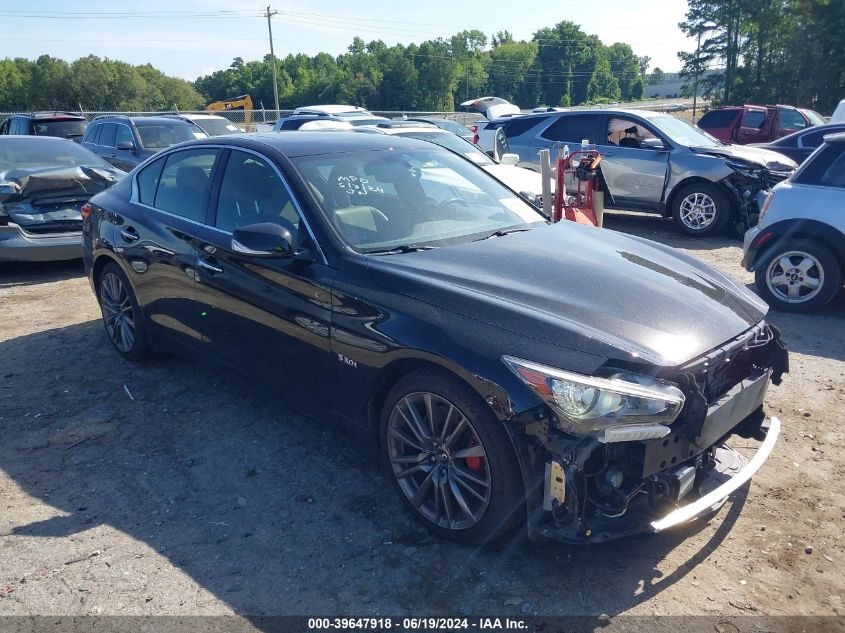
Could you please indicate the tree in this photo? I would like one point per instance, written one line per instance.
(657, 76)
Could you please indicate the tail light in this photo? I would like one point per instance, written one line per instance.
(86, 210)
(768, 202)
(474, 129)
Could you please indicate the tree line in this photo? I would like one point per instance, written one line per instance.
(559, 66)
(768, 51)
(93, 84)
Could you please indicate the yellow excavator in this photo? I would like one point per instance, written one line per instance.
(244, 102)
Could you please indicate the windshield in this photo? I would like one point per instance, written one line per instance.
(21, 153)
(428, 197)
(683, 133)
(815, 117)
(159, 135)
(217, 127)
(453, 143)
(70, 128)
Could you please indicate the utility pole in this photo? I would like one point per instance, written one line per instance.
(697, 70)
(273, 58)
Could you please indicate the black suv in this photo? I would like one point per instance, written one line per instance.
(127, 141)
(61, 124)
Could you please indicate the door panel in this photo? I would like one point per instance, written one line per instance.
(268, 316)
(635, 175)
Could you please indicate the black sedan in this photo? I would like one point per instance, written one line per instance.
(568, 375)
(799, 145)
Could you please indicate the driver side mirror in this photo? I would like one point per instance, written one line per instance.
(128, 145)
(652, 143)
(265, 239)
(509, 159)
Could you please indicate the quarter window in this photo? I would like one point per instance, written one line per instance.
(148, 181)
(91, 134)
(252, 192)
(185, 183)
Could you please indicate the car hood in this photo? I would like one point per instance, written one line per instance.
(757, 155)
(518, 178)
(50, 194)
(579, 287)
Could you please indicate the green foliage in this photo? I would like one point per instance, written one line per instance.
(90, 83)
(767, 51)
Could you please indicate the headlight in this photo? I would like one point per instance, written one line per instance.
(746, 169)
(589, 405)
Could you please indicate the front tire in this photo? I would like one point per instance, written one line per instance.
(701, 209)
(798, 275)
(450, 459)
(122, 317)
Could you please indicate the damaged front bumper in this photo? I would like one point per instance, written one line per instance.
(17, 244)
(583, 490)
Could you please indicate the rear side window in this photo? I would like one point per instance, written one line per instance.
(148, 181)
(718, 119)
(184, 184)
(754, 119)
(827, 169)
(106, 138)
(573, 128)
(521, 125)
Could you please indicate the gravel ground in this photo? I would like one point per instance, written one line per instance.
(166, 488)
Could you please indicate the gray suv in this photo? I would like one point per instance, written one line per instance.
(126, 141)
(655, 162)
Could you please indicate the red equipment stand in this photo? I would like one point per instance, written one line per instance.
(581, 165)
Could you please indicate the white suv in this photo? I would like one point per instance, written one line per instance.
(797, 251)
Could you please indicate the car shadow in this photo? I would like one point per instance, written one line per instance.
(269, 510)
(652, 226)
(32, 273)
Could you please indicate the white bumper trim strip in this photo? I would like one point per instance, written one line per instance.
(684, 514)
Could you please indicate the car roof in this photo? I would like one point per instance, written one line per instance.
(52, 114)
(34, 137)
(645, 114)
(152, 120)
(298, 143)
(412, 128)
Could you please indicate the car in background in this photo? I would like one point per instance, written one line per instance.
(797, 250)
(756, 124)
(497, 113)
(838, 115)
(127, 141)
(445, 124)
(525, 182)
(492, 355)
(211, 124)
(44, 183)
(62, 124)
(655, 162)
(293, 122)
(351, 114)
(800, 145)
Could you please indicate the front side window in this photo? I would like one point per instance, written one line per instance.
(754, 119)
(124, 135)
(379, 200)
(628, 133)
(184, 184)
(791, 120)
(251, 192)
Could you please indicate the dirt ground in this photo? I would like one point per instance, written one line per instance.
(165, 488)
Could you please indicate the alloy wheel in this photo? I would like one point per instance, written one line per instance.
(438, 460)
(794, 277)
(698, 211)
(117, 312)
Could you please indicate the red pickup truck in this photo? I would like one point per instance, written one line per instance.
(757, 124)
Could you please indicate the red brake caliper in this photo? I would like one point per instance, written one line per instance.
(474, 463)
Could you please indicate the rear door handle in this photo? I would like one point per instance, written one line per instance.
(203, 263)
(129, 234)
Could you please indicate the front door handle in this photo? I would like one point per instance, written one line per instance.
(129, 234)
(203, 263)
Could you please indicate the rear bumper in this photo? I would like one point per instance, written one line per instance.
(18, 246)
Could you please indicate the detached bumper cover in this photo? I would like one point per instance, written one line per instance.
(716, 497)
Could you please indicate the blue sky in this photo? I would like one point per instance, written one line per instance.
(160, 33)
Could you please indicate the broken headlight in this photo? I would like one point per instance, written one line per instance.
(749, 170)
(621, 407)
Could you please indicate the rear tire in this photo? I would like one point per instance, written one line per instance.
(122, 317)
(701, 209)
(464, 481)
(798, 275)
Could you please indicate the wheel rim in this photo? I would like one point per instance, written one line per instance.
(795, 277)
(117, 312)
(698, 211)
(438, 460)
